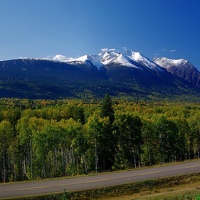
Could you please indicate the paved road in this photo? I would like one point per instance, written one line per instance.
(108, 179)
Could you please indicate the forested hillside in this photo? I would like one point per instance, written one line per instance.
(47, 138)
(47, 79)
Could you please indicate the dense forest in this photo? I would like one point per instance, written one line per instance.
(53, 138)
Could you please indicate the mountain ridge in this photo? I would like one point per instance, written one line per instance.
(127, 74)
(127, 58)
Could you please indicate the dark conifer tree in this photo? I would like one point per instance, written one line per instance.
(108, 140)
(107, 108)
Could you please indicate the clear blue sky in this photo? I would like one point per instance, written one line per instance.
(41, 28)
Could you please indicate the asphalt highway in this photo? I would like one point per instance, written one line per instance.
(96, 181)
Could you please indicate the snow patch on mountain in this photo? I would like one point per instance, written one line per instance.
(142, 60)
(87, 59)
(81, 59)
(167, 63)
(127, 58)
(60, 58)
(109, 56)
(123, 60)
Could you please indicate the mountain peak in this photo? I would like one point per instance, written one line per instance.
(167, 63)
(181, 68)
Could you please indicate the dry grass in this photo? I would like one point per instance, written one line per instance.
(168, 193)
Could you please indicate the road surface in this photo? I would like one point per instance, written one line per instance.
(101, 180)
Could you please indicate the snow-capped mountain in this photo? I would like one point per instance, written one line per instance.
(125, 73)
(112, 56)
(181, 68)
(168, 63)
(128, 59)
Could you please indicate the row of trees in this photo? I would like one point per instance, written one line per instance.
(75, 138)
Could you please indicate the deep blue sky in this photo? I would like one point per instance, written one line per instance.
(42, 28)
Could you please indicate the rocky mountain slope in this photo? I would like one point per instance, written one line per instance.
(181, 68)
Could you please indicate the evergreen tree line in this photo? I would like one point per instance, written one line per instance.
(72, 138)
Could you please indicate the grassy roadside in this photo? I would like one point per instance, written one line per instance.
(185, 187)
(182, 192)
(163, 188)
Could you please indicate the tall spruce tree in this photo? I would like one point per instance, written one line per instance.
(107, 108)
(107, 139)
